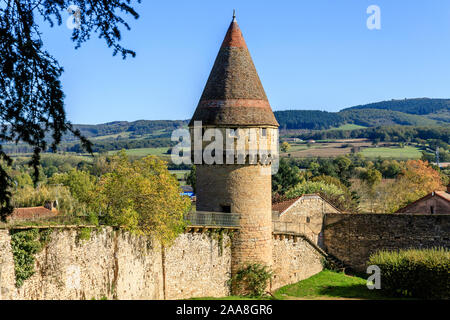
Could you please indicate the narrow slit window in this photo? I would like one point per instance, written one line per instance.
(226, 208)
(264, 132)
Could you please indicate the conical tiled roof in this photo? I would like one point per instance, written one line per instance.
(233, 94)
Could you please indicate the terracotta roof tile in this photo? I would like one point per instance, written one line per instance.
(282, 206)
(32, 212)
(444, 195)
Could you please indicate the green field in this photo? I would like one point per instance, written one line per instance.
(348, 126)
(404, 153)
(141, 152)
(179, 173)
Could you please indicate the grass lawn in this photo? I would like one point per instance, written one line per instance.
(323, 286)
(404, 153)
(329, 285)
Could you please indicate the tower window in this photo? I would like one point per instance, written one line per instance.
(226, 209)
(264, 132)
(308, 219)
(232, 133)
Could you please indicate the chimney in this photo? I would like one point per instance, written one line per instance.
(51, 205)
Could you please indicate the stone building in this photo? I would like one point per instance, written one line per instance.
(234, 98)
(303, 214)
(437, 202)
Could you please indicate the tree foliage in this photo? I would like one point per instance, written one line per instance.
(328, 191)
(191, 178)
(287, 177)
(81, 184)
(416, 181)
(29, 196)
(143, 197)
(285, 146)
(31, 95)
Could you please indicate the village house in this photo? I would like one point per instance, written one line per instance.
(49, 209)
(303, 214)
(437, 202)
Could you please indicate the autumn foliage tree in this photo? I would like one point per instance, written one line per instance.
(143, 197)
(417, 179)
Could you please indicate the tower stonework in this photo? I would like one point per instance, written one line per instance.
(234, 98)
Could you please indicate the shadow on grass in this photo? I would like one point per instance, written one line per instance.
(331, 285)
(356, 291)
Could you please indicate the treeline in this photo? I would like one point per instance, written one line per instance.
(98, 145)
(322, 120)
(388, 134)
(112, 145)
(308, 119)
(419, 106)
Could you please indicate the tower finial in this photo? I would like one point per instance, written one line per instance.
(234, 15)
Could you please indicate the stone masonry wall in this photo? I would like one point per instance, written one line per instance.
(198, 265)
(294, 260)
(117, 265)
(305, 216)
(352, 238)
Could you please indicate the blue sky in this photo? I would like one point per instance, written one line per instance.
(309, 55)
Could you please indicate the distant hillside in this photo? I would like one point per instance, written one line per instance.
(384, 117)
(416, 112)
(156, 133)
(156, 128)
(420, 106)
(321, 120)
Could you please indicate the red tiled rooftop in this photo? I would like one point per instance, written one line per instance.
(33, 212)
(444, 195)
(282, 206)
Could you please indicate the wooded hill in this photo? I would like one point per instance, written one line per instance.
(413, 112)
(118, 135)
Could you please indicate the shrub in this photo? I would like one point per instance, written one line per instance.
(25, 244)
(415, 273)
(84, 234)
(251, 280)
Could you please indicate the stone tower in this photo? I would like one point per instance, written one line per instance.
(234, 98)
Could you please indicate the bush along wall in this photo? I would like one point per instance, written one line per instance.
(251, 280)
(415, 273)
(25, 244)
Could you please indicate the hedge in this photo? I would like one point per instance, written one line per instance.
(415, 273)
